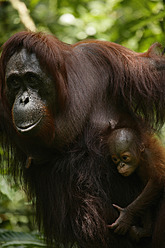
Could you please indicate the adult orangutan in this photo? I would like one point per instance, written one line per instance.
(59, 101)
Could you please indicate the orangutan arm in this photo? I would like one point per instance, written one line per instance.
(128, 215)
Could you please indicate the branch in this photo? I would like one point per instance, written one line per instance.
(23, 14)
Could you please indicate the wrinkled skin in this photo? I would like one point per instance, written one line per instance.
(30, 96)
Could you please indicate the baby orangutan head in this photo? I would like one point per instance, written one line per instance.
(125, 150)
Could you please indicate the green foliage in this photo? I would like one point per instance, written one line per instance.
(134, 24)
(16, 214)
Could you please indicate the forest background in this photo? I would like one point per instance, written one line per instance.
(135, 24)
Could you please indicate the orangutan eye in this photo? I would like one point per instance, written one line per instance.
(126, 158)
(13, 83)
(115, 159)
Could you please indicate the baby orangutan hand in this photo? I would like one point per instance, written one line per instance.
(123, 222)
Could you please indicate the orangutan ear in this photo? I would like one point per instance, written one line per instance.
(156, 54)
(155, 50)
(142, 147)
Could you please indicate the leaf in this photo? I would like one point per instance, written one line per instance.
(8, 238)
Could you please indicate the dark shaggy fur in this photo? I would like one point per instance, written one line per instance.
(74, 184)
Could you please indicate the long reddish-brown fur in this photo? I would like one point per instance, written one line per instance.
(137, 78)
(156, 157)
(74, 187)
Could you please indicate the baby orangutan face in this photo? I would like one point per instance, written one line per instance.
(124, 152)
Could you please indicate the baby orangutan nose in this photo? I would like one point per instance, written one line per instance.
(121, 165)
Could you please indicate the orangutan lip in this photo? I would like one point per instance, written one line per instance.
(124, 174)
(29, 127)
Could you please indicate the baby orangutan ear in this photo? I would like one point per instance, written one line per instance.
(142, 147)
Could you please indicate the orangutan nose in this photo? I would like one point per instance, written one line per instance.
(122, 164)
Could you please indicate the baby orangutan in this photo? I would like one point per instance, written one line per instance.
(145, 156)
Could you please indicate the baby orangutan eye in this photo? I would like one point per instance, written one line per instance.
(115, 159)
(126, 157)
